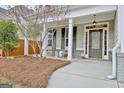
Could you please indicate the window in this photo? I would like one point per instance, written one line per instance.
(105, 43)
(95, 40)
(97, 26)
(51, 37)
(86, 44)
(66, 37)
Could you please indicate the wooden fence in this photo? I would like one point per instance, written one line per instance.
(20, 50)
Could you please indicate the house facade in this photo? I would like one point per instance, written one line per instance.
(79, 37)
(89, 32)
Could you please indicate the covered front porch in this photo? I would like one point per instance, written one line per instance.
(78, 37)
(82, 39)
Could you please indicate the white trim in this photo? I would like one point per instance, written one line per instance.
(79, 48)
(110, 50)
(87, 30)
(58, 48)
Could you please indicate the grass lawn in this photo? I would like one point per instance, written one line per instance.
(28, 71)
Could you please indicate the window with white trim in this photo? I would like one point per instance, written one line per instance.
(105, 42)
(51, 37)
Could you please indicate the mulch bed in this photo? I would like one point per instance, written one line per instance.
(30, 71)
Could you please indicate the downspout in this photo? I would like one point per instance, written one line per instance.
(114, 56)
(114, 62)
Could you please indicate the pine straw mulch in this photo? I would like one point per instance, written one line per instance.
(30, 71)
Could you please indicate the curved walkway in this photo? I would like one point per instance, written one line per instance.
(83, 74)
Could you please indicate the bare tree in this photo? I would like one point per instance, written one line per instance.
(30, 21)
(54, 14)
(27, 23)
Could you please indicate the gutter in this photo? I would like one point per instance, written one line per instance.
(114, 62)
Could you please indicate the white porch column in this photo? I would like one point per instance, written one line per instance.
(26, 46)
(121, 26)
(44, 40)
(70, 39)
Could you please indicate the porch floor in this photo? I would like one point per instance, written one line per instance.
(82, 73)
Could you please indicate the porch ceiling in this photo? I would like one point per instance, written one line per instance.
(99, 17)
(85, 19)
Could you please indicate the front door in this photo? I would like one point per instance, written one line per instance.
(95, 43)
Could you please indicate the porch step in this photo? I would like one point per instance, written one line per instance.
(90, 60)
(57, 58)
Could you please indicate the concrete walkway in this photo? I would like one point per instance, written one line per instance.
(83, 74)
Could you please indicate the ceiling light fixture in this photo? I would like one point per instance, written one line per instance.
(94, 22)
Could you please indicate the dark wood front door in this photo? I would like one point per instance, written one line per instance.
(95, 43)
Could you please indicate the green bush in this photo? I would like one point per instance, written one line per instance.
(8, 36)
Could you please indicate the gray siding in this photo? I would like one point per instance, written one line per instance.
(115, 30)
(80, 37)
(120, 67)
(111, 34)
